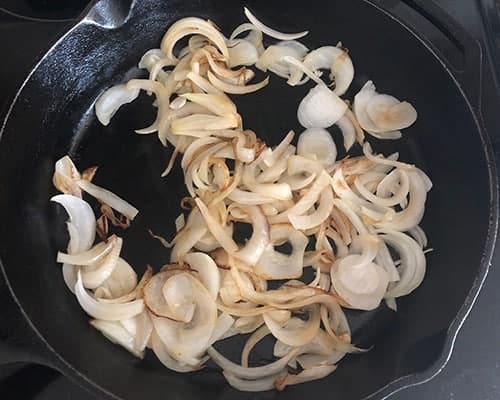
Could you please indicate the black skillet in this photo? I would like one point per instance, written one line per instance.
(411, 49)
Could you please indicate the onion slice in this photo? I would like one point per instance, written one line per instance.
(111, 100)
(106, 311)
(321, 108)
(272, 32)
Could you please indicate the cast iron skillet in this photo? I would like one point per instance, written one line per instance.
(410, 49)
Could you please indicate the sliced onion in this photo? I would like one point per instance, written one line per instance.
(191, 26)
(106, 311)
(295, 332)
(109, 198)
(88, 257)
(250, 372)
(306, 375)
(257, 243)
(413, 264)
(271, 32)
(207, 269)
(306, 202)
(226, 241)
(321, 108)
(275, 265)
(178, 294)
(154, 297)
(165, 358)
(82, 218)
(255, 385)
(219, 105)
(150, 58)
(141, 328)
(111, 100)
(116, 333)
(186, 342)
(222, 328)
(252, 341)
(95, 275)
(81, 229)
(337, 61)
(66, 176)
(236, 89)
(381, 115)
(359, 281)
(274, 59)
(348, 131)
(317, 144)
(318, 216)
(242, 52)
(414, 212)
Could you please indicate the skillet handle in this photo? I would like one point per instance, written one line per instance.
(462, 53)
(19, 343)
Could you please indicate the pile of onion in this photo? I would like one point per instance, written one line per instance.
(354, 221)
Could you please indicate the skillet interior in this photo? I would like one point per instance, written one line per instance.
(53, 115)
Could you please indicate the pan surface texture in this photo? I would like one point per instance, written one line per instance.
(53, 115)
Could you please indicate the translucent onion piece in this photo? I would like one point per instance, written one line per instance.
(226, 241)
(191, 26)
(153, 295)
(66, 176)
(414, 212)
(419, 235)
(273, 156)
(274, 58)
(106, 311)
(413, 263)
(111, 100)
(81, 229)
(317, 144)
(201, 125)
(236, 89)
(109, 198)
(116, 333)
(150, 58)
(186, 342)
(381, 115)
(359, 281)
(251, 372)
(339, 63)
(318, 216)
(306, 375)
(141, 328)
(295, 332)
(189, 237)
(88, 257)
(257, 243)
(219, 105)
(252, 341)
(256, 385)
(207, 271)
(222, 327)
(275, 265)
(348, 131)
(161, 352)
(242, 52)
(398, 197)
(271, 32)
(82, 218)
(94, 275)
(306, 202)
(321, 108)
(178, 294)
